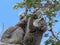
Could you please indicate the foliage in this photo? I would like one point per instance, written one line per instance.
(49, 9)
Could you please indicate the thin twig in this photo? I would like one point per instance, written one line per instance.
(54, 35)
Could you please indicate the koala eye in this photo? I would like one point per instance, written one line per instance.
(35, 16)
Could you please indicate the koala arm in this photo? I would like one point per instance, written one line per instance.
(7, 33)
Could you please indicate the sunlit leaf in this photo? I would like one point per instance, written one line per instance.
(47, 42)
(15, 6)
(59, 33)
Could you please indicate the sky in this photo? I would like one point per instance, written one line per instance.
(9, 16)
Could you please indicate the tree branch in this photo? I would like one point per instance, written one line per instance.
(54, 35)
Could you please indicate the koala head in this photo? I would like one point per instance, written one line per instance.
(41, 24)
(21, 15)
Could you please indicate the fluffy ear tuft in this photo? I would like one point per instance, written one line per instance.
(41, 24)
(36, 23)
(21, 15)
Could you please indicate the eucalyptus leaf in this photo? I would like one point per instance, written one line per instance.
(46, 35)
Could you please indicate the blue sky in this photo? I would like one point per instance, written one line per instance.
(9, 16)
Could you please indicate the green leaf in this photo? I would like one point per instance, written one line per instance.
(56, 20)
(20, 5)
(46, 35)
(50, 24)
(54, 15)
(38, 0)
(15, 6)
(47, 42)
(58, 43)
(54, 0)
(50, 37)
(59, 33)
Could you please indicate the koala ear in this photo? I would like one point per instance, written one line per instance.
(21, 15)
(36, 23)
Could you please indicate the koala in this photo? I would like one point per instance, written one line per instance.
(15, 34)
(34, 33)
